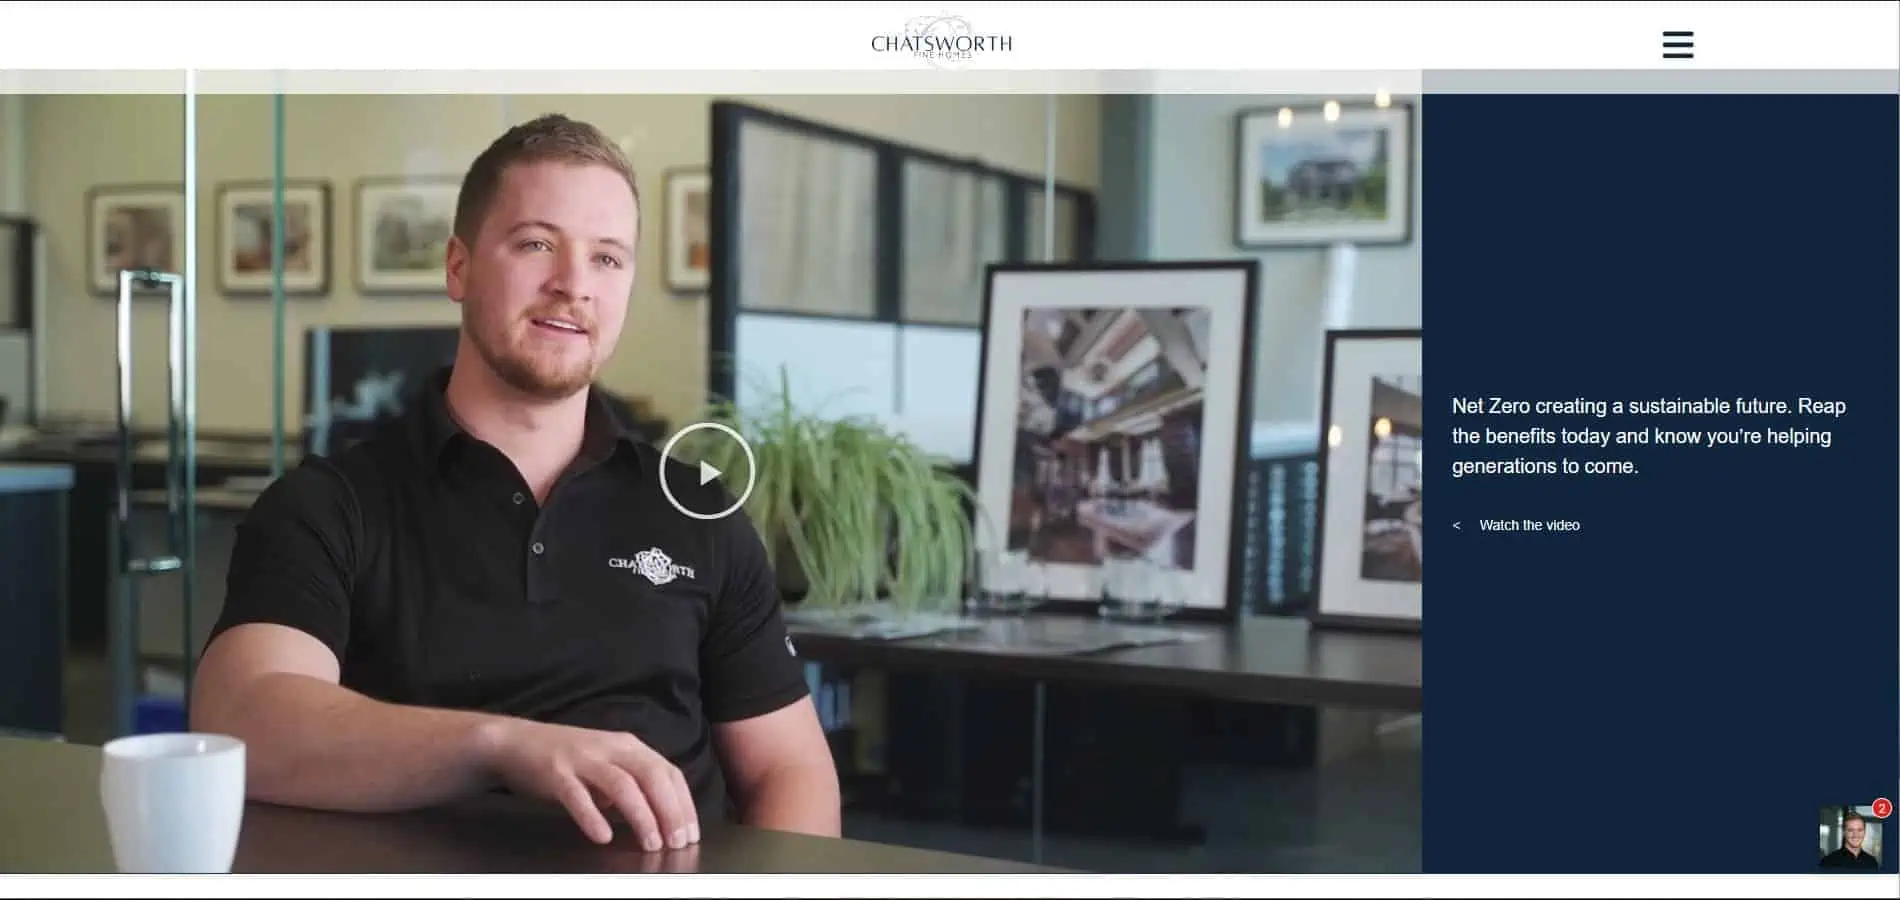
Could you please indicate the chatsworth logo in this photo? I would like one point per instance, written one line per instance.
(942, 40)
(654, 564)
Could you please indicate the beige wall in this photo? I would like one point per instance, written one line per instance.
(74, 143)
(1190, 203)
(12, 154)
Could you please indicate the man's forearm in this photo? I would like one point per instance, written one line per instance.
(804, 799)
(315, 744)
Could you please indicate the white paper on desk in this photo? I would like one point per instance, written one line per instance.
(1342, 261)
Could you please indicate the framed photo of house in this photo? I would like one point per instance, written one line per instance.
(688, 240)
(1371, 519)
(402, 234)
(247, 223)
(130, 226)
(1111, 415)
(1332, 174)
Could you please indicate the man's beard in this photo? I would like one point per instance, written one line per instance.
(542, 376)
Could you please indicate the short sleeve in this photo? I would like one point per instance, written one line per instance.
(293, 558)
(747, 665)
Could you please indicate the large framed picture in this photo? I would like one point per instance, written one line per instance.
(133, 226)
(247, 223)
(1371, 555)
(688, 240)
(1312, 176)
(402, 234)
(1110, 426)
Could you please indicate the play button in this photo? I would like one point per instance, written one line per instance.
(708, 472)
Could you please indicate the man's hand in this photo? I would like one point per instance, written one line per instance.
(582, 768)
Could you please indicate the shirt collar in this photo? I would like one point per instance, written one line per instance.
(606, 434)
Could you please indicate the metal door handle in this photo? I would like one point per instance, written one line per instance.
(180, 459)
(177, 422)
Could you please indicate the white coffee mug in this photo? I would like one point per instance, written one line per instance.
(174, 802)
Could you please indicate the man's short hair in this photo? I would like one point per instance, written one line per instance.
(1853, 817)
(549, 138)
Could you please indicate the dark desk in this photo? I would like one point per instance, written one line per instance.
(1258, 660)
(967, 746)
(51, 821)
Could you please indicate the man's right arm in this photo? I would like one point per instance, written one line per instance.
(271, 674)
(317, 744)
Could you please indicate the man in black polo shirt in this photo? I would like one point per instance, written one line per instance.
(1850, 855)
(493, 591)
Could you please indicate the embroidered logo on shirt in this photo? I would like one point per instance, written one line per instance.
(655, 565)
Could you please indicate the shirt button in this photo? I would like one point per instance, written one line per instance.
(519, 499)
(537, 548)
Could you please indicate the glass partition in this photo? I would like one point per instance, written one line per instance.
(103, 196)
(192, 279)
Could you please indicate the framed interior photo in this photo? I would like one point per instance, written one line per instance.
(1333, 174)
(1111, 426)
(1371, 518)
(688, 240)
(247, 223)
(133, 227)
(402, 234)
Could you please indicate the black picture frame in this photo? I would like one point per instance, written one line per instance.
(1250, 234)
(319, 193)
(23, 241)
(1232, 563)
(20, 241)
(1326, 609)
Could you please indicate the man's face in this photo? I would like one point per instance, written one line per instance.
(1853, 832)
(544, 288)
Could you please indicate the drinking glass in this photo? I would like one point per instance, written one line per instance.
(1127, 586)
(1134, 590)
(1006, 584)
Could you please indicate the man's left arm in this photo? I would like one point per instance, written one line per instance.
(776, 759)
(780, 770)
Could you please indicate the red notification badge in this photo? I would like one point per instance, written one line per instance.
(1883, 808)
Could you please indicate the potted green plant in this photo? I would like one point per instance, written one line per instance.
(851, 513)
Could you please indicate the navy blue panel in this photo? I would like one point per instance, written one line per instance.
(1683, 683)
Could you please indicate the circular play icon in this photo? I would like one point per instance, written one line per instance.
(707, 472)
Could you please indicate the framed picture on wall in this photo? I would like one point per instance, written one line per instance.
(1371, 519)
(1112, 421)
(1332, 174)
(402, 234)
(247, 222)
(133, 227)
(688, 240)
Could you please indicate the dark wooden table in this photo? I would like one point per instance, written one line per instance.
(51, 821)
(1257, 660)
